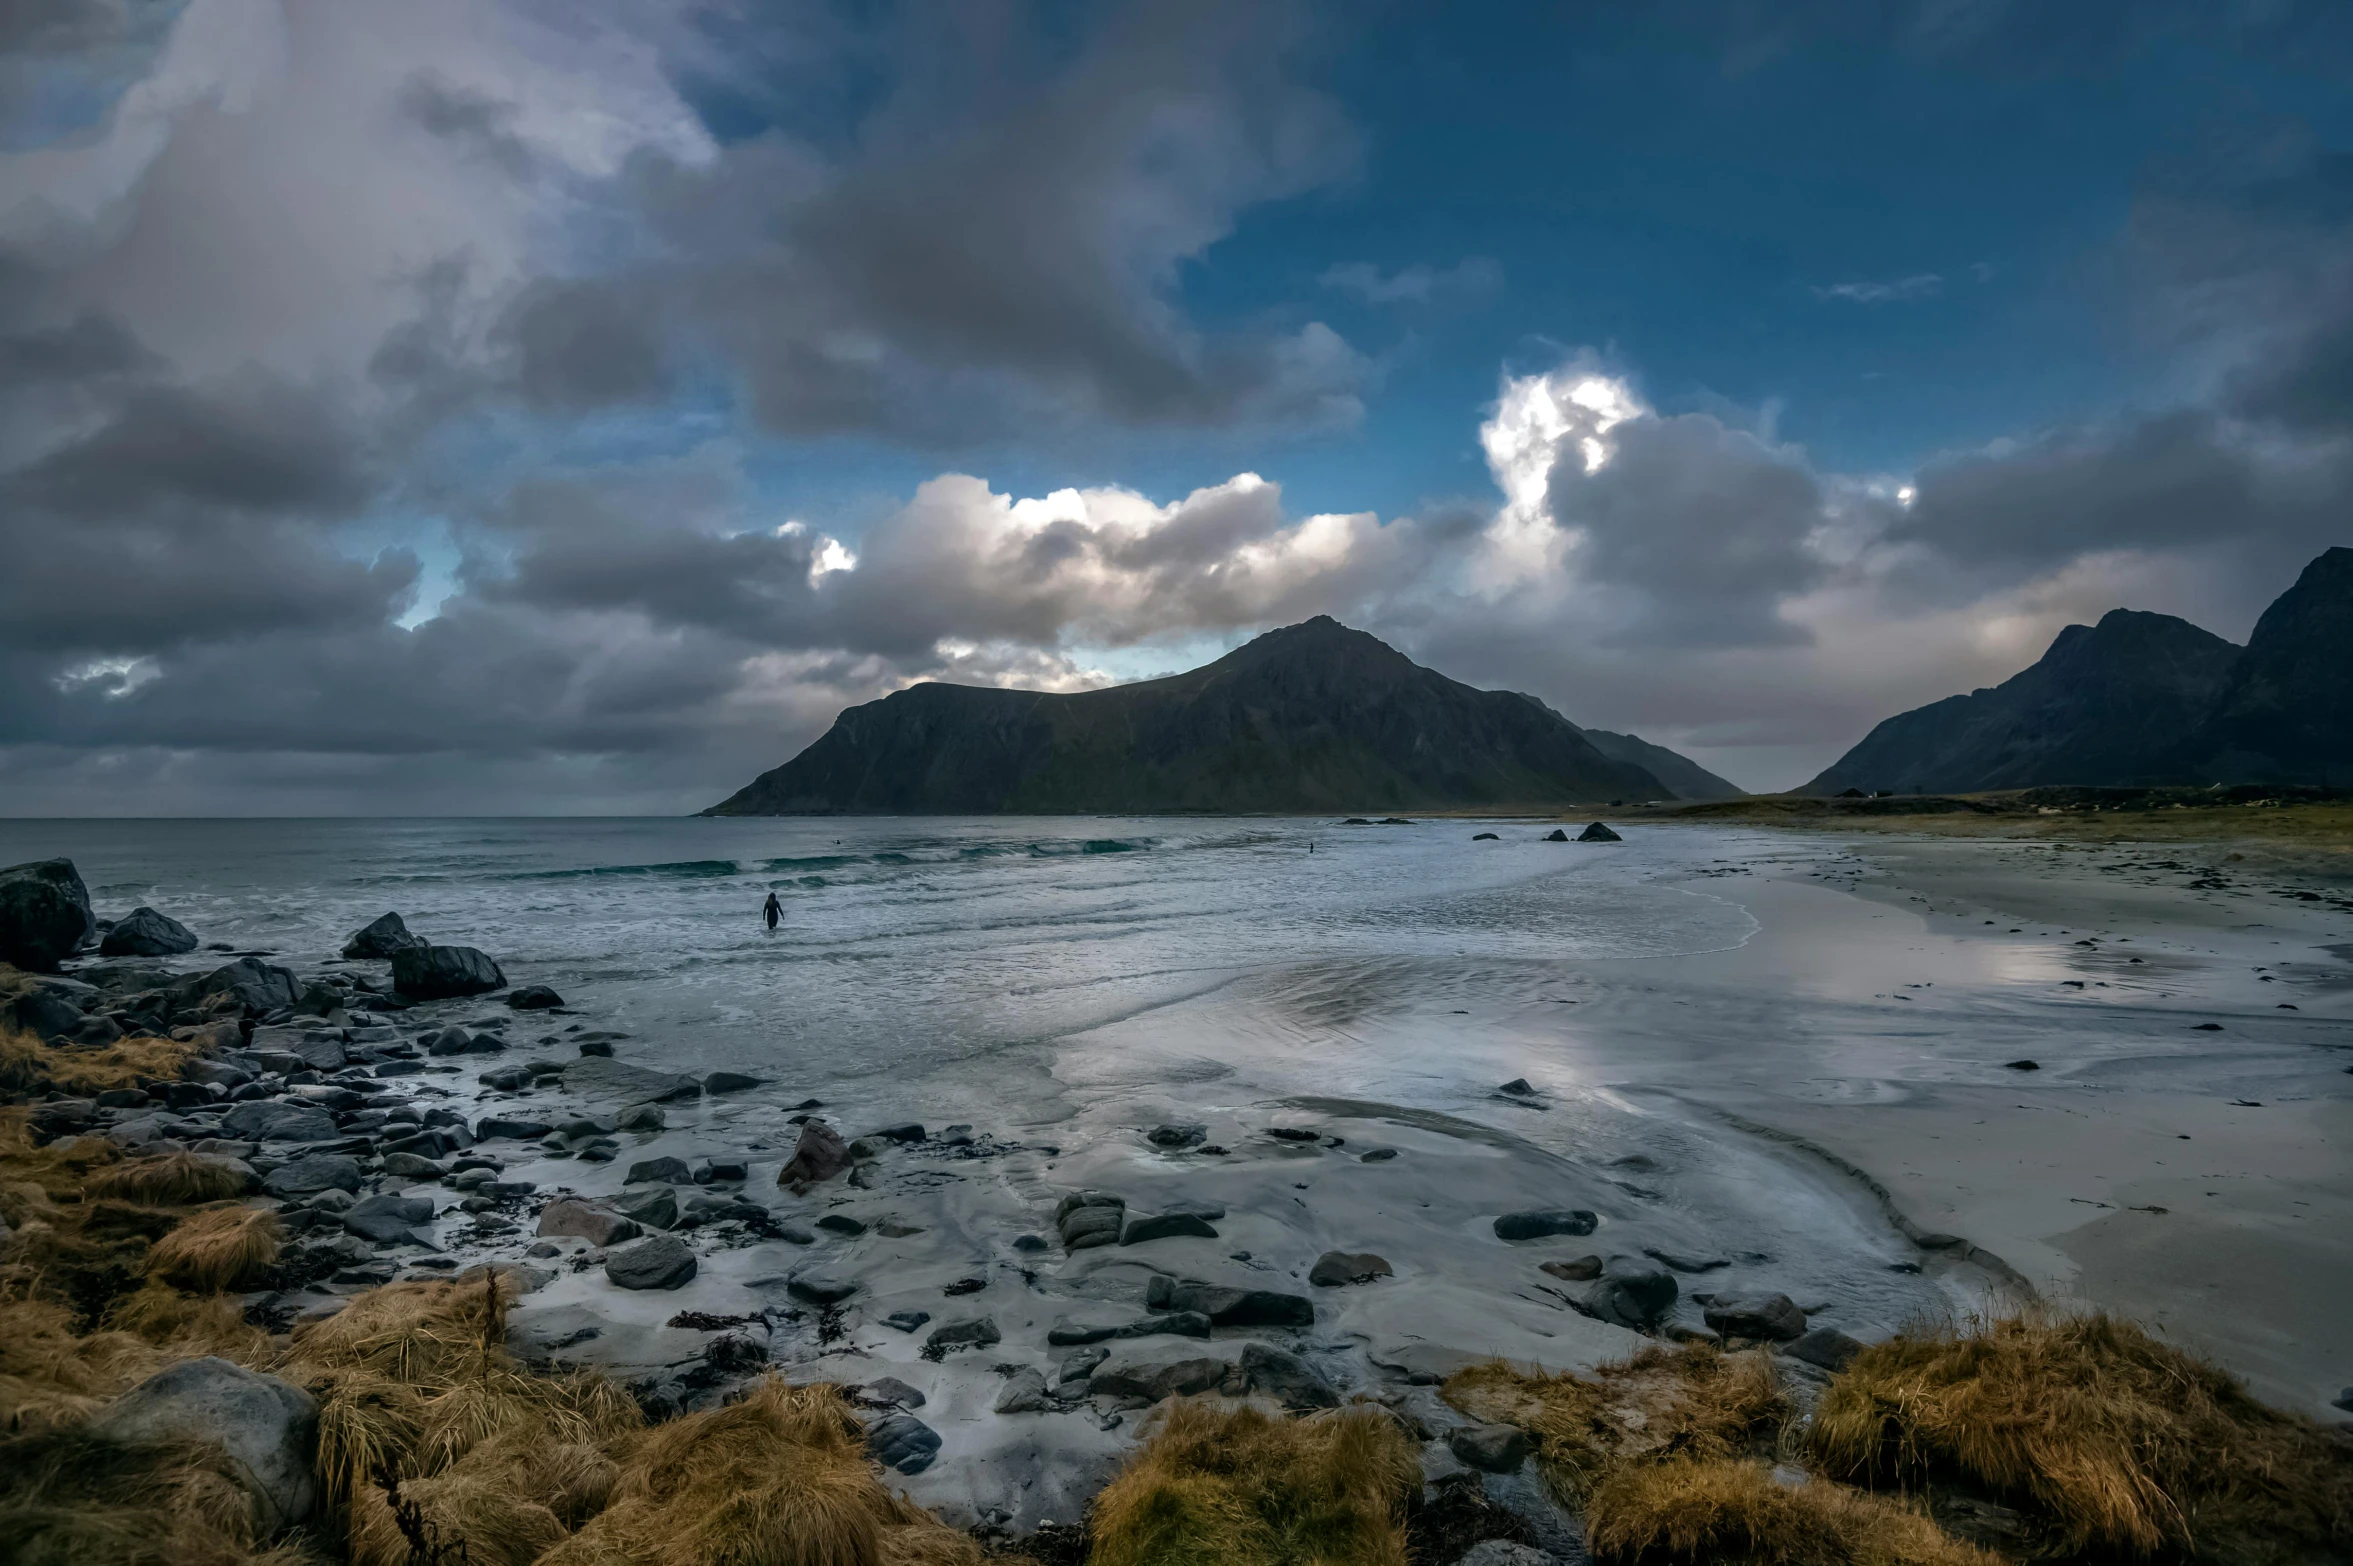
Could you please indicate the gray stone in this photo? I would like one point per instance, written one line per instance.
(728, 1082)
(264, 1120)
(268, 1427)
(1633, 1291)
(409, 1166)
(641, 1117)
(1536, 1225)
(1597, 833)
(704, 1207)
(1286, 1378)
(820, 1288)
(654, 1206)
(890, 1389)
(906, 1320)
(387, 1219)
(1153, 1374)
(44, 914)
(1826, 1348)
(1581, 1269)
(1335, 1268)
(1066, 1332)
(1025, 1393)
(842, 1224)
(595, 1076)
(534, 997)
(971, 1332)
(1086, 1219)
(1769, 1316)
(490, 1126)
(1177, 1135)
(596, 1225)
(380, 939)
(1079, 1364)
(662, 1262)
(438, 972)
(311, 1175)
(1505, 1552)
(667, 1171)
(252, 986)
(1162, 1226)
(1232, 1307)
(1497, 1449)
(903, 1442)
(145, 933)
(1167, 1324)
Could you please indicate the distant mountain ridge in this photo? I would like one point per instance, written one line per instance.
(1310, 718)
(2141, 698)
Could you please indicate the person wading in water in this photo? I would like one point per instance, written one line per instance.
(772, 910)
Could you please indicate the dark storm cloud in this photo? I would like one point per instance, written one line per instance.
(584, 344)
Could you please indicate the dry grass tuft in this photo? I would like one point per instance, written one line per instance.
(51, 1376)
(189, 1325)
(29, 1065)
(219, 1248)
(71, 1498)
(427, 1333)
(2122, 1444)
(177, 1178)
(1731, 1513)
(1692, 1401)
(1220, 1486)
(780, 1478)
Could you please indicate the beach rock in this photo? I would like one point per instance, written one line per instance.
(265, 1120)
(662, 1262)
(817, 1157)
(145, 933)
(704, 1207)
(1079, 1364)
(44, 914)
(408, 1166)
(728, 1082)
(596, 1076)
(490, 1127)
(387, 1219)
(890, 1389)
(655, 1206)
(506, 1079)
(1335, 1268)
(1685, 1261)
(903, 1442)
(1505, 1552)
(1486, 837)
(1495, 1449)
(440, 972)
(599, 1048)
(1556, 835)
(596, 1225)
(905, 1131)
(380, 939)
(1825, 1348)
(641, 1117)
(1285, 1377)
(534, 997)
(268, 1427)
(1536, 1225)
(971, 1332)
(1633, 1291)
(1232, 1307)
(1164, 1226)
(1025, 1393)
(1771, 1316)
(311, 1175)
(252, 986)
(1177, 1136)
(1582, 1270)
(820, 1288)
(1597, 833)
(842, 1224)
(667, 1171)
(1086, 1219)
(1153, 1374)
(1377, 1155)
(906, 1320)
(1168, 1324)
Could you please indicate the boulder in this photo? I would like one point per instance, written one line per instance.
(1535, 1225)
(662, 1262)
(1163, 1226)
(1335, 1268)
(906, 1320)
(388, 1219)
(890, 1389)
(408, 1166)
(655, 1206)
(600, 1076)
(1632, 1291)
(820, 1155)
(820, 1288)
(1025, 1393)
(1597, 833)
(45, 1015)
(1495, 1449)
(268, 1427)
(1086, 1219)
(266, 1120)
(1285, 1377)
(490, 1126)
(385, 937)
(1505, 1552)
(439, 972)
(1231, 1307)
(145, 933)
(1556, 835)
(1177, 1135)
(728, 1082)
(1157, 1373)
(971, 1332)
(311, 1175)
(1825, 1348)
(44, 914)
(596, 1225)
(1582, 1269)
(249, 985)
(534, 997)
(1770, 1316)
(667, 1171)
(641, 1117)
(903, 1442)
(1079, 1364)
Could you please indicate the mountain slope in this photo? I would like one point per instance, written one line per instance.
(2286, 714)
(2110, 703)
(1686, 777)
(1312, 717)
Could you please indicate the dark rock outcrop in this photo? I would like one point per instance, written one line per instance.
(2285, 715)
(381, 938)
(663, 1262)
(1314, 717)
(1598, 833)
(820, 1156)
(145, 933)
(44, 914)
(269, 1428)
(439, 972)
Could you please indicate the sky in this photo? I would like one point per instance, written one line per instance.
(568, 406)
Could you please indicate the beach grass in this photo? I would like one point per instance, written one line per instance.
(1732, 1512)
(1238, 1486)
(31, 1066)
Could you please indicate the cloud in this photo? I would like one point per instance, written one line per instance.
(1418, 284)
(1921, 285)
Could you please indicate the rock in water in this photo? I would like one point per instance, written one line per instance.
(439, 972)
(1556, 835)
(1633, 1291)
(1086, 1219)
(44, 914)
(1335, 1268)
(1597, 833)
(1285, 1377)
(593, 1224)
(1231, 1307)
(1538, 1224)
(1506, 1552)
(654, 1206)
(1826, 1348)
(663, 1262)
(309, 1176)
(387, 1219)
(264, 1121)
(1772, 1316)
(269, 1428)
(1498, 1449)
(1583, 1269)
(728, 1082)
(820, 1155)
(1025, 1393)
(1155, 1374)
(534, 997)
(1164, 1226)
(902, 1441)
(384, 938)
(145, 933)
(668, 1171)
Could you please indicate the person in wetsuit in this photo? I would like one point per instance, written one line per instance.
(772, 910)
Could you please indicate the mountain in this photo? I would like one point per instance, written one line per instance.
(2286, 713)
(2111, 703)
(1685, 777)
(1311, 718)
